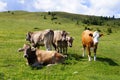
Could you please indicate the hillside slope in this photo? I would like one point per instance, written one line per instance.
(15, 25)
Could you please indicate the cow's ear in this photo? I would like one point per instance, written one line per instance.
(20, 49)
(91, 35)
(30, 33)
(101, 35)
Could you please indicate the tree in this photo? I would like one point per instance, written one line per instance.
(49, 13)
(113, 17)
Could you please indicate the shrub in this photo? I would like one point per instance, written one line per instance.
(45, 17)
(109, 30)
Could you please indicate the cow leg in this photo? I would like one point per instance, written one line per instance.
(57, 49)
(89, 54)
(61, 49)
(49, 47)
(95, 49)
(84, 48)
(66, 50)
(46, 48)
(54, 46)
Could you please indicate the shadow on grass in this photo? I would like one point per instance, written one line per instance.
(108, 60)
(72, 59)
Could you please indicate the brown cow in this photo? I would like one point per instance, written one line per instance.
(90, 39)
(41, 38)
(36, 57)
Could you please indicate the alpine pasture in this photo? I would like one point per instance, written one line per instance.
(15, 25)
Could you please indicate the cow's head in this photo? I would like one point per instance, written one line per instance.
(30, 55)
(64, 34)
(28, 51)
(28, 36)
(69, 40)
(96, 35)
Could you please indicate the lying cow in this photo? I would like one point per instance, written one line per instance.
(41, 38)
(61, 41)
(36, 57)
(90, 39)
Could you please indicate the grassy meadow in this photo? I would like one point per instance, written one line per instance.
(13, 29)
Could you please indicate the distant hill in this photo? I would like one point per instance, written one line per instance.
(63, 17)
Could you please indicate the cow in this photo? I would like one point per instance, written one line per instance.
(62, 40)
(90, 39)
(69, 40)
(36, 57)
(66, 43)
(41, 38)
(59, 36)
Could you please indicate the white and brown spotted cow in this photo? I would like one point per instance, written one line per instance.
(90, 39)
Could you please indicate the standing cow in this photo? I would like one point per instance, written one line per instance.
(59, 37)
(62, 40)
(90, 39)
(66, 43)
(41, 38)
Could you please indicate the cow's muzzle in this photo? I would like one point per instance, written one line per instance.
(25, 56)
(70, 45)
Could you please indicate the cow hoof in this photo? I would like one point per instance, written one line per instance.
(94, 58)
(89, 60)
(83, 55)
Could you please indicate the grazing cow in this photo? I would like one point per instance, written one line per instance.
(36, 57)
(61, 40)
(90, 39)
(41, 38)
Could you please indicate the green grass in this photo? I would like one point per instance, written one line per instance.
(13, 29)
